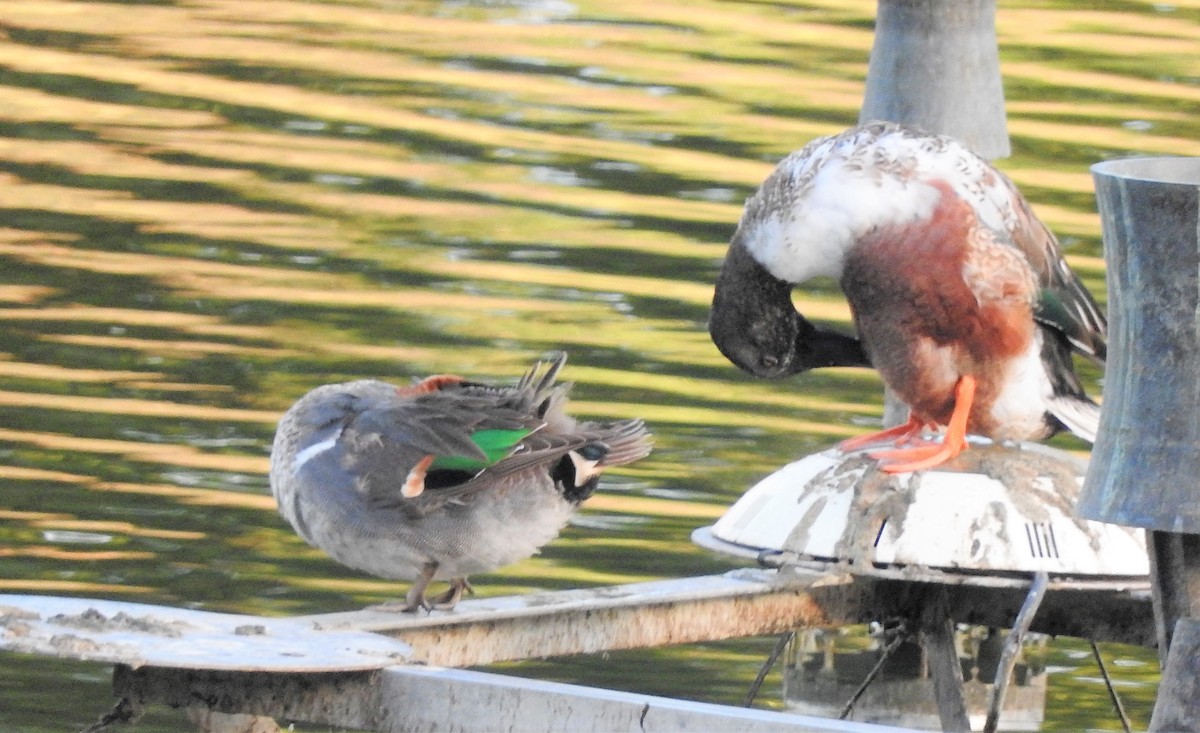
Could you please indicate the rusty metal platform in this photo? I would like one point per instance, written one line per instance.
(139, 635)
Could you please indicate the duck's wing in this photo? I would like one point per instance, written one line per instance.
(418, 454)
(526, 446)
(1064, 306)
(368, 441)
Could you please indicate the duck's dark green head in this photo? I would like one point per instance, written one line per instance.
(755, 325)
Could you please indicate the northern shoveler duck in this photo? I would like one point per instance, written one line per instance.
(441, 479)
(960, 295)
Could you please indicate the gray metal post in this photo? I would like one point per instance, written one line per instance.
(1176, 709)
(935, 64)
(1145, 467)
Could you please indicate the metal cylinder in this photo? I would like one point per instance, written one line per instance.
(935, 64)
(1145, 467)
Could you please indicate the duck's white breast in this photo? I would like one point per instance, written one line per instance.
(821, 199)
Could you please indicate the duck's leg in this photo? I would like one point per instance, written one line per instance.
(917, 458)
(448, 600)
(898, 435)
(415, 600)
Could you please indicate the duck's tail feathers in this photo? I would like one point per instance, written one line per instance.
(1080, 416)
(626, 441)
(543, 373)
(538, 392)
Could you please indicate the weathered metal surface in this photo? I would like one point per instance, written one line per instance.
(829, 504)
(1176, 708)
(738, 604)
(936, 64)
(236, 669)
(135, 634)
(507, 704)
(432, 699)
(993, 509)
(1145, 465)
(741, 603)
(344, 699)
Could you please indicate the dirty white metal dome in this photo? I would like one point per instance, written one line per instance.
(995, 509)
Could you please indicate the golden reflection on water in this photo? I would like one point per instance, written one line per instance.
(211, 207)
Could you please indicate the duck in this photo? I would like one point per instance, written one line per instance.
(960, 296)
(441, 479)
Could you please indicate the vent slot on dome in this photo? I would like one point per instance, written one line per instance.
(1041, 540)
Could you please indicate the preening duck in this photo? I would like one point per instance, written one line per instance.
(441, 479)
(961, 297)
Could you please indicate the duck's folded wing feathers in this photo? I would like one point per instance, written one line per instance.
(384, 445)
(619, 442)
(1065, 305)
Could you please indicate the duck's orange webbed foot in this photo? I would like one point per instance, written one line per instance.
(918, 458)
(900, 435)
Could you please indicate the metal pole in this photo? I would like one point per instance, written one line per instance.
(936, 65)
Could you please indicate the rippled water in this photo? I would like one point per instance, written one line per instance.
(211, 206)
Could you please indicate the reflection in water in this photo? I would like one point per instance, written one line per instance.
(211, 207)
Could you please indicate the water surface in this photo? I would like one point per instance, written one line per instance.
(209, 207)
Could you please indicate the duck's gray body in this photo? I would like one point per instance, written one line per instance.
(344, 452)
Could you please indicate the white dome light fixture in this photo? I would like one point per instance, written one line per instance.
(993, 513)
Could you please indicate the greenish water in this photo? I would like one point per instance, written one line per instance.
(210, 207)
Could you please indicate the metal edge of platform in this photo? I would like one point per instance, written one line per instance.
(135, 634)
(772, 558)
